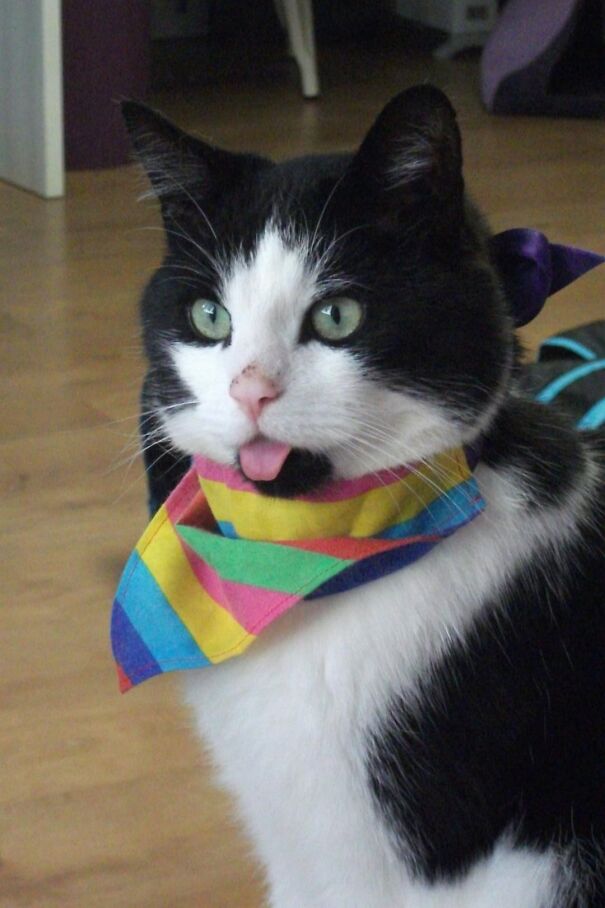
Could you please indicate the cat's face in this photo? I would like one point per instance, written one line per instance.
(325, 316)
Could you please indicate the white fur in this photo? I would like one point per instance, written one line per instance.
(288, 722)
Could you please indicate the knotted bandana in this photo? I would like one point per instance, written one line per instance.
(532, 269)
(219, 561)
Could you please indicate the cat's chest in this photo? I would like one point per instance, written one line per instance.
(289, 725)
(328, 668)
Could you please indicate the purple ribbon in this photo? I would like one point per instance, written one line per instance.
(532, 269)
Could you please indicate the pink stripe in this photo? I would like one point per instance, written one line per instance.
(181, 497)
(341, 489)
(219, 472)
(338, 490)
(252, 607)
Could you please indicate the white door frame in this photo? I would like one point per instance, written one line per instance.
(31, 96)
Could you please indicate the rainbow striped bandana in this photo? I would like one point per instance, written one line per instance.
(219, 561)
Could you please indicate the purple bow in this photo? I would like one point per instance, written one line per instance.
(532, 269)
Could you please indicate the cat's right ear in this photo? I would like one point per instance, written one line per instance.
(409, 166)
(183, 171)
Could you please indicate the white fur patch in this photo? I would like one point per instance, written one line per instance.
(509, 877)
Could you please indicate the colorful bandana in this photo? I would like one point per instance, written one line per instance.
(219, 561)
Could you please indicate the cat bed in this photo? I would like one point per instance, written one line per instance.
(570, 372)
(546, 57)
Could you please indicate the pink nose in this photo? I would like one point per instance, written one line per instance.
(253, 390)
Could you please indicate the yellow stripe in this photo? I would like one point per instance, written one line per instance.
(215, 631)
(259, 517)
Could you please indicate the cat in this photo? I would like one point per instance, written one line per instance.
(435, 737)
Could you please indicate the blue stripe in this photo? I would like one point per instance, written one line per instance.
(563, 381)
(155, 621)
(446, 512)
(227, 529)
(568, 344)
(594, 417)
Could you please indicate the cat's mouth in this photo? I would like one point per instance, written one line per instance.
(279, 470)
(261, 459)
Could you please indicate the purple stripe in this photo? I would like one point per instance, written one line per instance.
(129, 651)
(374, 568)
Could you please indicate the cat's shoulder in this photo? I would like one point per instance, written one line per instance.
(554, 464)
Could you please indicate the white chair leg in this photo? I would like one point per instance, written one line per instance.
(298, 17)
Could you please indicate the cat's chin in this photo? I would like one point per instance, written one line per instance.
(301, 472)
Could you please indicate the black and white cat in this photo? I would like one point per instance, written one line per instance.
(436, 737)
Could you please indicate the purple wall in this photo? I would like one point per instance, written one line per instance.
(106, 49)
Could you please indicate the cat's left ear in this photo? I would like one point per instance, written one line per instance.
(182, 169)
(410, 163)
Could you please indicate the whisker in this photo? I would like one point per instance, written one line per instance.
(324, 209)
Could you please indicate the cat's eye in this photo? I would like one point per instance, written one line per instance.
(336, 319)
(210, 320)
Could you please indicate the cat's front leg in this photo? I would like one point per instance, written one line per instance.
(286, 897)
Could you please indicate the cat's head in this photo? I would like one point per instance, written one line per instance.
(324, 316)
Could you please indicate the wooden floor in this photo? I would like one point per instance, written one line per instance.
(106, 800)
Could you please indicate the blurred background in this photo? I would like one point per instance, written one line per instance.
(106, 800)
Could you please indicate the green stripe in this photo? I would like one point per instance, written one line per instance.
(594, 417)
(276, 567)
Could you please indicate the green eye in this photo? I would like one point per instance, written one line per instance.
(336, 319)
(210, 320)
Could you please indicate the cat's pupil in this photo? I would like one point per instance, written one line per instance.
(335, 313)
(210, 310)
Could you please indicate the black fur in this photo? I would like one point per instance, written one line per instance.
(507, 734)
(538, 442)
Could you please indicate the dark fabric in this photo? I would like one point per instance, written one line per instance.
(570, 373)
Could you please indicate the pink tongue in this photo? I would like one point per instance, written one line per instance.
(262, 459)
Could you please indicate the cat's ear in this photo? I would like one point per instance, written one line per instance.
(182, 170)
(410, 163)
